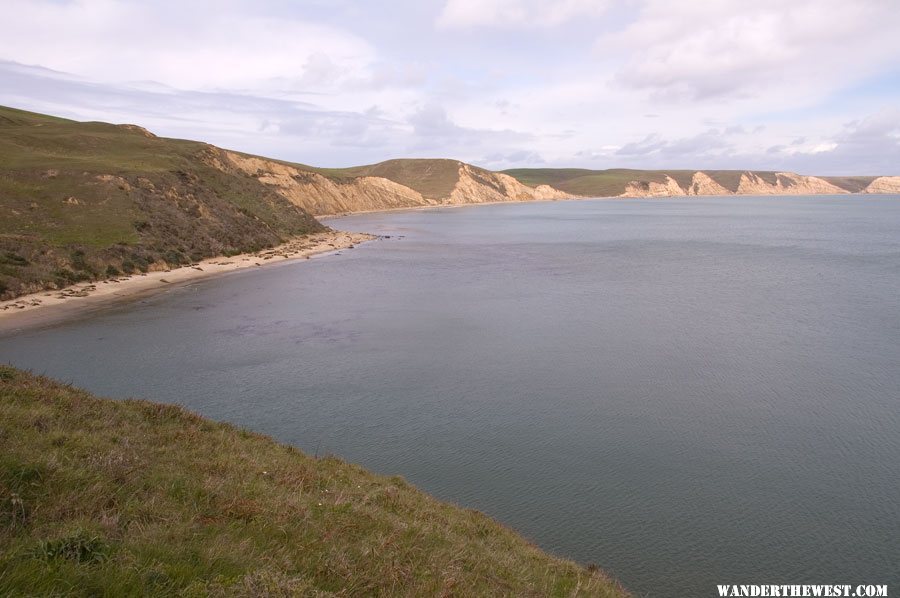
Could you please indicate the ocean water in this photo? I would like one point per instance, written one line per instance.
(683, 391)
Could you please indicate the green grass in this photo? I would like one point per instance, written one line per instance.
(114, 498)
(120, 194)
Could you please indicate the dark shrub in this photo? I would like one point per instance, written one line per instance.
(69, 277)
(80, 263)
(13, 259)
(175, 257)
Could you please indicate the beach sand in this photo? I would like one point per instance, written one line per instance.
(48, 307)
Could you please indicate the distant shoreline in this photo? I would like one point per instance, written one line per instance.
(52, 306)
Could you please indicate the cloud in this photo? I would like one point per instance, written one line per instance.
(520, 158)
(867, 146)
(431, 121)
(195, 45)
(681, 49)
(697, 149)
(461, 14)
(434, 128)
(646, 146)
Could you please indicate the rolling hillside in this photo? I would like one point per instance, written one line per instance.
(115, 498)
(84, 201)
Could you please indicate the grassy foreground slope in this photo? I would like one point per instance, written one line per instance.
(101, 497)
(86, 201)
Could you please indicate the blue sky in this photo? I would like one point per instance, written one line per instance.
(808, 85)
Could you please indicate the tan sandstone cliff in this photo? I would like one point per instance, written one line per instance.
(786, 183)
(703, 184)
(321, 195)
(751, 183)
(478, 186)
(884, 184)
(653, 189)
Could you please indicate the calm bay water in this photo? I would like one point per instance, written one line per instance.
(684, 391)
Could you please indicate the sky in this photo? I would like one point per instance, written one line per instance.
(810, 86)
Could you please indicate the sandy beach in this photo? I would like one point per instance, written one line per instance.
(50, 306)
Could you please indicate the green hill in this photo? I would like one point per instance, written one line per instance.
(114, 498)
(82, 201)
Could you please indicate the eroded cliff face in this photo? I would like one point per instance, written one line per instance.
(781, 183)
(884, 184)
(479, 186)
(653, 189)
(318, 194)
(321, 195)
(703, 184)
(786, 183)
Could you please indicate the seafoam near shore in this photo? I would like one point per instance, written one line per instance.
(49, 306)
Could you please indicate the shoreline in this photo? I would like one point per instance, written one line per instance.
(321, 217)
(52, 306)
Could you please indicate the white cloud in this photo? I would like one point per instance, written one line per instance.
(697, 50)
(867, 146)
(516, 13)
(804, 148)
(433, 128)
(188, 45)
